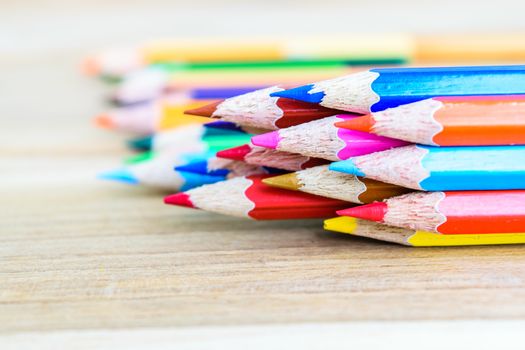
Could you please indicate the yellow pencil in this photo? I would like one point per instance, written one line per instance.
(377, 231)
(356, 48)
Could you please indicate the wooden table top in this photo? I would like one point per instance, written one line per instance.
(79, 254)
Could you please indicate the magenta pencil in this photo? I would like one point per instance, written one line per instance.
(322, 139)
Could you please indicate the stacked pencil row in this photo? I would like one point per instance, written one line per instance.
(417, 156)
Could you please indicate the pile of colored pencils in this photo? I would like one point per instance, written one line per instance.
(416, 156)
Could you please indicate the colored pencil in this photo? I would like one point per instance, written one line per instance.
(155, 141)
(450, 121)
(413, 238)
(140, 92)
(270, 158)
(249, 197)
(322, 139)
(225, 167)
(258, 109)
(353, 49)
(443, 168)
(457, 212)
(378, 89)
(158, 173)
(323, 182)
(192, 137)
(147, 118)
(148, 84)
(224, 125)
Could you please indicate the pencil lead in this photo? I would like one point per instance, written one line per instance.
(364, 123)
(301, 93)
(268, 140)
(120, 175)
(142, 143)
(286, 181)
(204, 111)
(347, 166)
(235, 153)
(201, 167)
(180, 199)
(90, 66)
(104, 121)
(373, 212)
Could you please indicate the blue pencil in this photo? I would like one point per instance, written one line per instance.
(209, 167)
(378, 89)
(432, 168)
(157, 172)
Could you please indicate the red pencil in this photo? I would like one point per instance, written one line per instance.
(249, 197)
(270, 158)
(457, 212)
(259, 110)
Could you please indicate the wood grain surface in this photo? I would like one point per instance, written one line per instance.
(77, 253)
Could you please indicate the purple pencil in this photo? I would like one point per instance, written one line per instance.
(322, 139)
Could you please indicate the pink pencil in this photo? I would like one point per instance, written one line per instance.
(322, 139)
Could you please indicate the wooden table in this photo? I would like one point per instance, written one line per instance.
(77, 253)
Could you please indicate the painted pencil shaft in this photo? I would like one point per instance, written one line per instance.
(450, 121)
(270, 158)
(457, 212)
(258, 109)
(378, 89)
(249, 197)
(322, 139)
(407, 237)
(323, 182)
(443, 168)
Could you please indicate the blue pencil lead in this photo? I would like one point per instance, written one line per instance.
(301, 93)
(346, 166)
(201, 167)
(120, 175)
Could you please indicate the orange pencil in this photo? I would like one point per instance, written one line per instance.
(450, 121)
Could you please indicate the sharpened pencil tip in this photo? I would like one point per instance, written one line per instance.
(104, 121)
(268, 140)
(205, 111)
(235, 153)
(364, 123)
(120, 175)
(301, 93)
(286, 181)
(180, 199)
(347, 166)
(90, 66)
(373, 211)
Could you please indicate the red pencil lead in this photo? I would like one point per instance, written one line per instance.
(235, 153)
(204, 111)
(180, 199)
(373, 211)
(364, 123)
